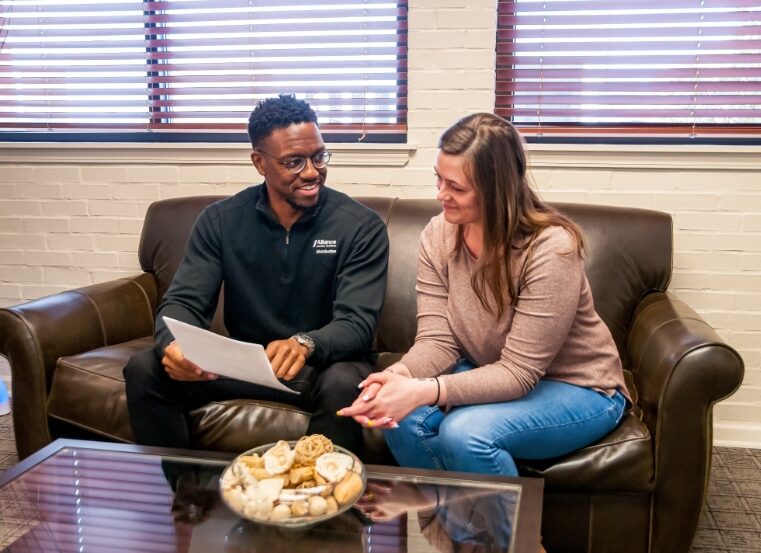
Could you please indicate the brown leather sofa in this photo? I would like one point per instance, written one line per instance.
(640, 489)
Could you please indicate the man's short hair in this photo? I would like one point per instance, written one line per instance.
(277, 113)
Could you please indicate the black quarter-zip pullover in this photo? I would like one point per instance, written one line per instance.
(326, 276)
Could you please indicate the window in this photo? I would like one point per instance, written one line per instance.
(193, 69)
(673, 68)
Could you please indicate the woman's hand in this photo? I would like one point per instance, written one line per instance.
(388, 397)
(371, 390)
(398, 368)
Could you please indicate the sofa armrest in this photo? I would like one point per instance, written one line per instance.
(681, 368)
(35, 334)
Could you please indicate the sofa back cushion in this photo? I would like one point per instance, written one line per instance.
(628, 254)
(165, 232)
(398, 322)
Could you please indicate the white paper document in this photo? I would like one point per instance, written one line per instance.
(225, 356)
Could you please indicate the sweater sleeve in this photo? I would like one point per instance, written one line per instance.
(435, 348)
(192, 296)
(360, 290)
(547, 303)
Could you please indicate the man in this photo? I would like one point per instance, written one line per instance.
(304, 269)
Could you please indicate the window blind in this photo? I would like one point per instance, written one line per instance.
(200, 66)
(667, 67)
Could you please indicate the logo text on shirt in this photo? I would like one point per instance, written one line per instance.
(325, 246)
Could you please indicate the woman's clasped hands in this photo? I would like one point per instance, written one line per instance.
(387, 397)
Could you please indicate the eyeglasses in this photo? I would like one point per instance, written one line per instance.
(296, 164)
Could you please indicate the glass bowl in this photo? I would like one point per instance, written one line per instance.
(303, 521)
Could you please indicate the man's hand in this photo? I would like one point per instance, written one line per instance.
(287, 357)
(179, 368)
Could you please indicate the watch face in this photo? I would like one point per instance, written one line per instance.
(305, 341)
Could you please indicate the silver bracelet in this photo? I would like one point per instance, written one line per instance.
(438, 392)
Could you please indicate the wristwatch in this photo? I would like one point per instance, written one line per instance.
(306, 341)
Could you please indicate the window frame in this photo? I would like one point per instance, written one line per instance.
(555, 132)
(226, 133)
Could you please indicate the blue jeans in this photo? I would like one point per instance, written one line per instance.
(553, 419)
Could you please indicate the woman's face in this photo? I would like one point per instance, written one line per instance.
(458, 196)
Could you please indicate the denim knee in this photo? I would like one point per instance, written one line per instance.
(466, 447)
(414, 442)
(405, 434)
(459, 436)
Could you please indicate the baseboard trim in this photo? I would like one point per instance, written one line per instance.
(737, 434)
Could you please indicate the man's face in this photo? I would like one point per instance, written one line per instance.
(288, 190)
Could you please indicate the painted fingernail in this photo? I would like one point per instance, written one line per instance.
(386, 420)
(395, 425)
(369, 423)
(340, 413)
(366, 397)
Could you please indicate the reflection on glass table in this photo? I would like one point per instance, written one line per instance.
(87, 497)
(344, 532)
(449, 518)
(390, 515)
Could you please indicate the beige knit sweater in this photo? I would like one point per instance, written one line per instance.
(552, 331)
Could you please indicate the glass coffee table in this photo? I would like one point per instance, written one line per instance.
(92, 497)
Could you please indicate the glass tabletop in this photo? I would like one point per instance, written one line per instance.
(78, 496)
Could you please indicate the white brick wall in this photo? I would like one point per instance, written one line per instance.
(68, 224)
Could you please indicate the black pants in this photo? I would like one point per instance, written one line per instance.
(158, 405)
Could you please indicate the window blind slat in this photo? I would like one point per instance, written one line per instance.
(583, 66)
(629, 99)
(610, 113)
(660, 79)
(614, 20)
(676, 34)
(538, 85)
(681, 65)
(634, 49)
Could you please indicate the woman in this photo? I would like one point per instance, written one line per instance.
(510, 358)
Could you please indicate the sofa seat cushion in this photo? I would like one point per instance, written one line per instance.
(225, 426)
(233, 426)
(88, 389)
(620, 462)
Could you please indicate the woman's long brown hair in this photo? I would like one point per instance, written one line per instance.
(513, 215)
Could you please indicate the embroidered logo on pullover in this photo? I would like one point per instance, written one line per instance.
(325, 246)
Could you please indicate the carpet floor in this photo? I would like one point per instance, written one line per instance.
(731, 521)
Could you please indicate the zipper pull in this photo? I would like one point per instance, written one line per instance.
(287, 237)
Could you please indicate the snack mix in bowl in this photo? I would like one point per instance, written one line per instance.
(293, 484)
